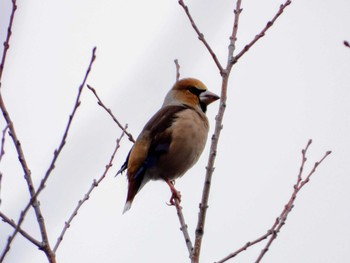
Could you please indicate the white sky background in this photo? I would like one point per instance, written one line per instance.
(292, 86)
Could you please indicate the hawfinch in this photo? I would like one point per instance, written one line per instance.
(172, 140)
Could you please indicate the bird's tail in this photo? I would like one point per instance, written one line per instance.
(134, 187)
(127, 206)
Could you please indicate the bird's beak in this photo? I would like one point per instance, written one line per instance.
(208, 97)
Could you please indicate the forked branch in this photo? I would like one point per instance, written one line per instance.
(281, 219)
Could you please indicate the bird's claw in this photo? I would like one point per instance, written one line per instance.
(175, 196)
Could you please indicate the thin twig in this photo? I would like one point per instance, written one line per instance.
(262, 33)
(233, 37)
(109, 111)
(280, 221)
(0, 185)
(2, 152)
(177, 65)
(201, 37)
(33, 201)
(2, 147)
(87, 195)
(70, 120)
(245, 247)
(21, 231)
(21, 157)
(8, 37)
(184, 227)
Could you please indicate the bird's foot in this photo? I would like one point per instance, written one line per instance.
(175, 195)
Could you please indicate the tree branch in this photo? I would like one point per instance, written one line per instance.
(245, 247)
(87, 195)
(33, 201)
(21, 231)
(262, 33)
(201, 37)
(109, 111)
(280, 221)
(177, 66)
(203, 206)
(2, 147)
(184, 227)
(8, 37)
(21, 157)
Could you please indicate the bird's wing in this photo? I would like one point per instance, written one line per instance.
(153, 141)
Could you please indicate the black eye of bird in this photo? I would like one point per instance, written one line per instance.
(195, 91)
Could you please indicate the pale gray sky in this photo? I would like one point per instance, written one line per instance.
(292, 86)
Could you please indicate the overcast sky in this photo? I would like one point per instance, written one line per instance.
(292, 86)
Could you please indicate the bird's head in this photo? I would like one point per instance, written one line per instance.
(191, 92)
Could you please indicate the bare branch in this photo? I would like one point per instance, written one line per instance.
(87, 195)
(0, 185)
(22, 160)
(22, 232)
(33, 201)
(2, 65)
(201, 37)
(233, 37)
(177, 65)
(70, 120)
(2, 152)
(8, 37)
(262, 33)
(184, 227)
(225, 73)
(346, 43)
(245, 247)
(203, 206)
(280, 221)
(2, 147)
(109, 111)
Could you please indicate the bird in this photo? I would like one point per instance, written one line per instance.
(172, 141)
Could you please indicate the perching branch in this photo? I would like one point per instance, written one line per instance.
(346, 43)
(203, 206)
(225, 73)
(87, 195)
(109, 111)
(184, 227)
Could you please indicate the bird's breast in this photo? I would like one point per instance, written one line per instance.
(189, 133)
